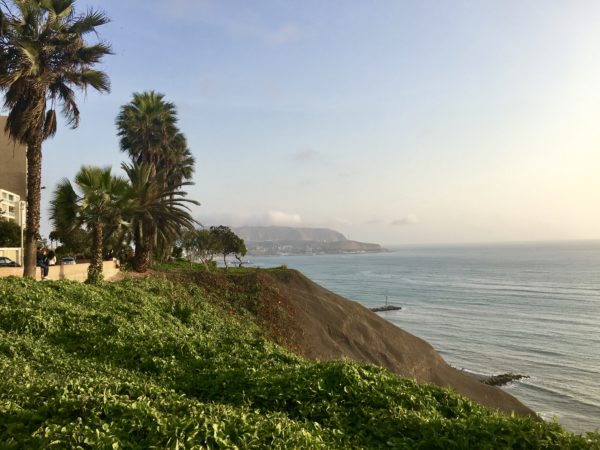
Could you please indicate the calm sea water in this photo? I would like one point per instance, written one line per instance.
(532, 309)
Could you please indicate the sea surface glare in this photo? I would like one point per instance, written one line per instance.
(531, 309)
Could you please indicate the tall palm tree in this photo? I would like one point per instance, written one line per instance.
(146, 126)
(44, 57)
(98, 201)
(158, 214)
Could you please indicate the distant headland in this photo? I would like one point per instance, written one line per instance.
(276, 240)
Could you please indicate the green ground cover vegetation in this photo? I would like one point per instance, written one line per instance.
(153, 363)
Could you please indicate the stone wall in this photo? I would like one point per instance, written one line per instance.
(74, 272)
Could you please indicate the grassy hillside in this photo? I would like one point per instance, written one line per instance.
(149, 363)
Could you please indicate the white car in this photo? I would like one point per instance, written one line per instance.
(68, 261)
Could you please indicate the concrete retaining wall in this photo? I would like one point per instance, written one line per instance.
(12, 253)
(74, 272)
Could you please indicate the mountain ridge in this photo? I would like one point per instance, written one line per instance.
(280, 240)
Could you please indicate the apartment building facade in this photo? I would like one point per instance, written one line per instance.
(13, 164)
(11, 207)
(13, 186)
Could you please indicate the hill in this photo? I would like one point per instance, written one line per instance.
(278, 234)
(275, 240)
(153, 363)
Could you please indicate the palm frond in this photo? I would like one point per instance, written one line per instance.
(88, 22)
(43, 55)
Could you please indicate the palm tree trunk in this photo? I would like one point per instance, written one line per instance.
(95, 269)
(34, 185)
(143, 248)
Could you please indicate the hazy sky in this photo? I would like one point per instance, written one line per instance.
(391, 121)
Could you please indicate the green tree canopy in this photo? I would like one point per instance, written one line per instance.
(147, 128)
(200, 244)
(10, 234)
(228, 243)
(74, 242)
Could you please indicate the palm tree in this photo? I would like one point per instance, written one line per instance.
(177, 165)
(43, 58)
(159, 215)
(98, 201)
(146, 127)
(177, 162)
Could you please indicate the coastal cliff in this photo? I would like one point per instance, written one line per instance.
(331, 327)
(324, 326)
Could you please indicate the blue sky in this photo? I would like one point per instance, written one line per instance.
(400, 122)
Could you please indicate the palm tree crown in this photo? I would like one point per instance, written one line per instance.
(43, 57)
(147, 128)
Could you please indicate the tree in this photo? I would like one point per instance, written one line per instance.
(239, 250)
(73, 242)
(10, 234)
(157, 214)
(148, 132)
(147, 128)
(200, 244)
(98, 201)
(44, 56)
(228, 243)
(178, 162)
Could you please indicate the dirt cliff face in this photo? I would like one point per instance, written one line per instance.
(330, 327)
(320, 325)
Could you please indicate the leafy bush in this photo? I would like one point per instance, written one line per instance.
(10, 234)
(154, 363)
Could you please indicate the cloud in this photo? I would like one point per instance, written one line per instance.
(282, 218)
(409, 219)
(279, 218)
(306, 155)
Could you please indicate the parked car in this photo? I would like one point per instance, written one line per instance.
(7, 262)
(68, 261)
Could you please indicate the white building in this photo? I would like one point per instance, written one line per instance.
(12, 208)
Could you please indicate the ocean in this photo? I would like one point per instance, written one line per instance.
(531, 309)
